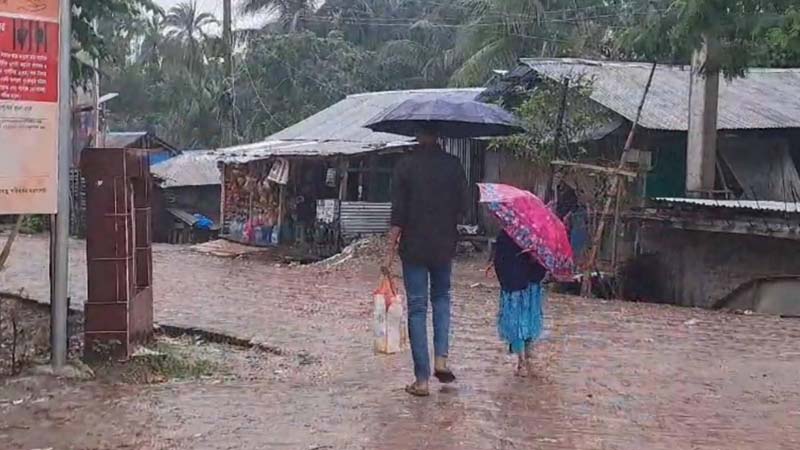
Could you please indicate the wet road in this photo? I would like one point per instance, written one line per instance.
(611, 375)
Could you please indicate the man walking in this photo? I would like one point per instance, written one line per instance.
(429, 197)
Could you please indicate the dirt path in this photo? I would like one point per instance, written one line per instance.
(612, 375)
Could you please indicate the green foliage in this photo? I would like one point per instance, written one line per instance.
(541, 115)
(177, 103)
(187, 28)
(781, 44)
(291, 14)
(285, 78)
(414, 40)
(93, 45)
(168, 67)
(33, 224)
(168, 74)
(744, 33)
(499, 32)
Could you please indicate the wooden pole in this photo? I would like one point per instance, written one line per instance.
(586, 286)
(550, 193)
(596, 168)
(615, 229)
(281, 196)
(344, 179)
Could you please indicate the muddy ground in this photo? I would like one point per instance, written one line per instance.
(610, 375)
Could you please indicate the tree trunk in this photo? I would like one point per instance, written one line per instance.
(227, 37)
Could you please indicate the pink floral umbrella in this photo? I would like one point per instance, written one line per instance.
(532, 225)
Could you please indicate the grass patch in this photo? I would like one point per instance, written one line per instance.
(33, 224)
(165, 360)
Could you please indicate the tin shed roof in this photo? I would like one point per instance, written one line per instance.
(763, 99)
(190, 168)
(339, 129)
(123, 139)
(757, 205)
(132, 139)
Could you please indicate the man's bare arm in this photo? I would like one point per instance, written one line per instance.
(391, 248)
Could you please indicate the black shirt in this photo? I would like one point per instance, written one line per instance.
(429, 197)
(515, 270)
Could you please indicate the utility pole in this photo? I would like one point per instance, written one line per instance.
(60, 234)
(227, 37)
(97, 141)
(701, 151)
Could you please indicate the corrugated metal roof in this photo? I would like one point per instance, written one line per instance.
(123, 139)
(267, 149)
(184, 216)
(764, 99)
(190, 168)
(756, 205)
(129, 139)
(339, 129)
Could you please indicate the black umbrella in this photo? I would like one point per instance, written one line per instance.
(449, 117)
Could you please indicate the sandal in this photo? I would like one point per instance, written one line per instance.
(417, 391)
(445, 376)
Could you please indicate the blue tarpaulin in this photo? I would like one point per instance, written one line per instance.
(203, 222)
(156, 158)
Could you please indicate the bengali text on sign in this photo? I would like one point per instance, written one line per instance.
(29, 58)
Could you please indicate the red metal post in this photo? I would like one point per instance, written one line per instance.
(119, 307)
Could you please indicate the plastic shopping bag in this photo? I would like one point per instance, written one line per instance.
(389, 319)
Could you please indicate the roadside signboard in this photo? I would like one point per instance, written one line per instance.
(29, 58)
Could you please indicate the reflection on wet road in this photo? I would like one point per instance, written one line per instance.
(610, 375)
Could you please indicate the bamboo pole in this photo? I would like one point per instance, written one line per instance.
(613, 194)
(551, 192)
(615, 228)
(595, 168)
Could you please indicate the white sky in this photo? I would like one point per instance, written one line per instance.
(215, 7)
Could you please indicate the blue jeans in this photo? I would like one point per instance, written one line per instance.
(417, 280)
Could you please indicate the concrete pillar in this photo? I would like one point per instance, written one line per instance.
(701, 151)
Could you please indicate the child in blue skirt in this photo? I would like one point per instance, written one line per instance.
(520, 317)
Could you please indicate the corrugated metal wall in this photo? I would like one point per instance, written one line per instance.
(470, 153)
(361, 218)
(463, 149)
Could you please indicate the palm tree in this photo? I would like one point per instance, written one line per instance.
(291, 14)
(502, 31)
(495, 37)
(187, 26)
(152, 35)
(413, 39)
